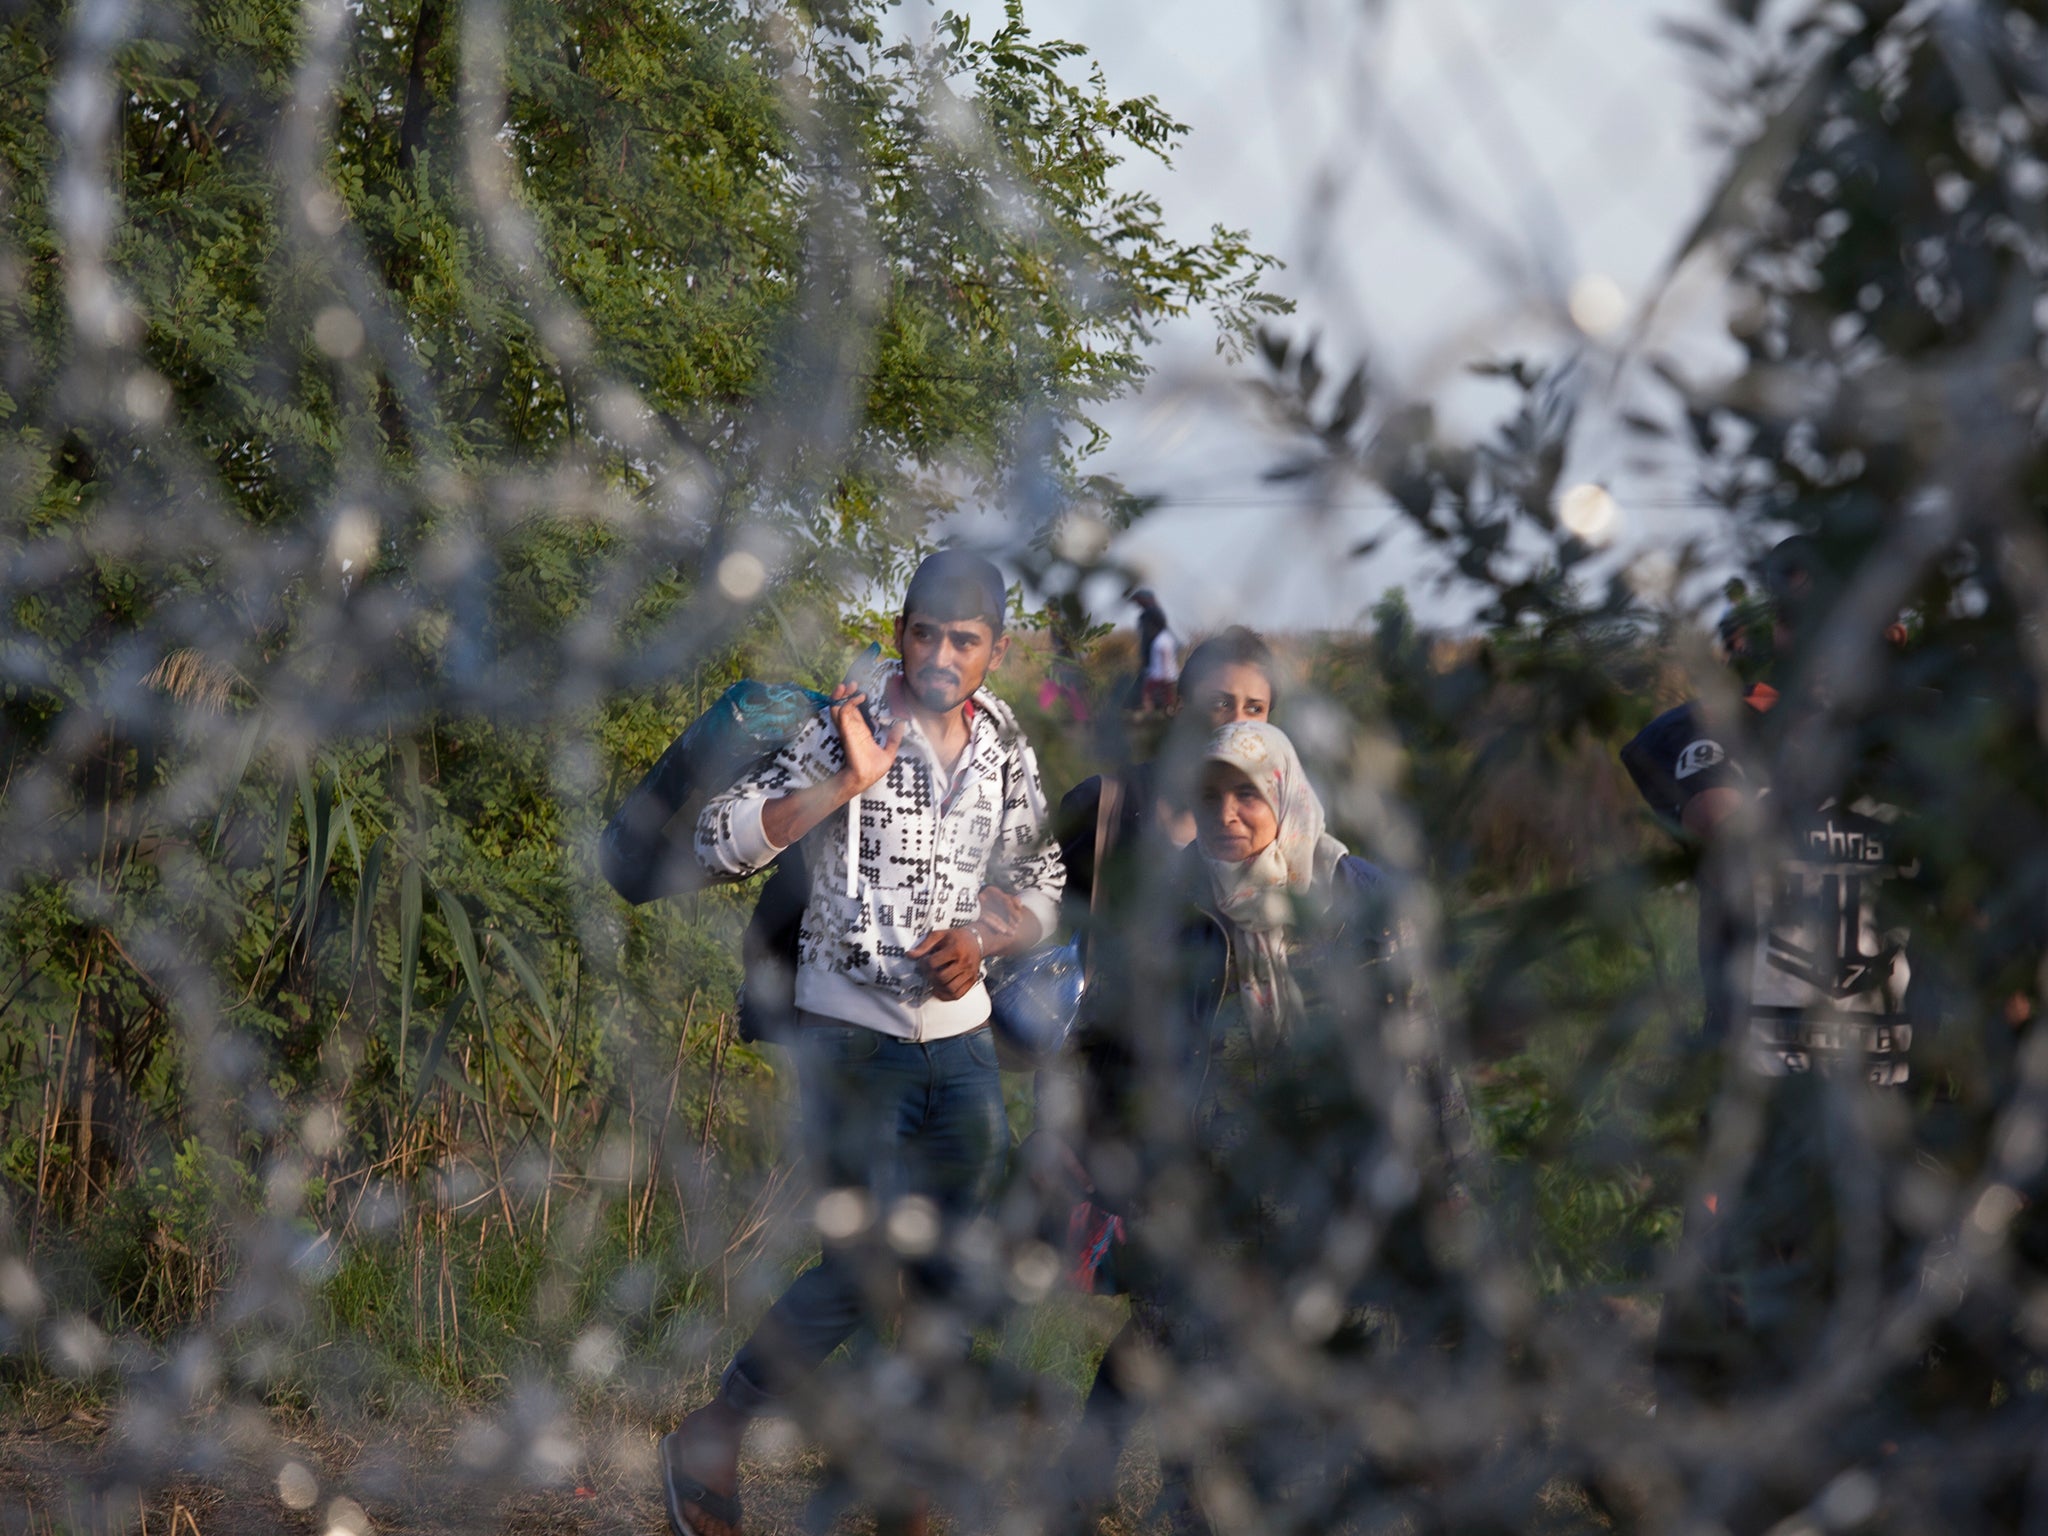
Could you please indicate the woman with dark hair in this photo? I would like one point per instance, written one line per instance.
(1240, 1071)
(1120, 827)
(1229, 677)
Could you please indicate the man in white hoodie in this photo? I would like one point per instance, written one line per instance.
(896, 1067)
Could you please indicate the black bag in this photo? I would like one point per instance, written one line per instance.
(648, 849)
(768, 950)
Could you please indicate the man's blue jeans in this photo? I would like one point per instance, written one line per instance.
(889, 1120)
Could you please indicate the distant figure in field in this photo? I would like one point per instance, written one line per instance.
(1158, 654)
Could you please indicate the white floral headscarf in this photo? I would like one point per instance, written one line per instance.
(1257, 896)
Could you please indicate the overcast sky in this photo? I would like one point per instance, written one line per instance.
(1444, 179)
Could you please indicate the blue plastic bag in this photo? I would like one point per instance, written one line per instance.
(1034, 1000)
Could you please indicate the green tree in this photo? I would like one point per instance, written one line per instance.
(1881, 222)
(382, 384)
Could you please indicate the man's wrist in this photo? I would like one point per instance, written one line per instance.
(846, 784)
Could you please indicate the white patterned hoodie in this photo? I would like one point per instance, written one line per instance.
(929, 842)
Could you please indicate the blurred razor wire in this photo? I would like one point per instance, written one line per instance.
(419, 411)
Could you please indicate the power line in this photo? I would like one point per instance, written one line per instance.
(1255, 503)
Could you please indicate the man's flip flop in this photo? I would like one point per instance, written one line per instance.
(681, 1491)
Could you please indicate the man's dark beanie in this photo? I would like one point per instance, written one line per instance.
(954, 584)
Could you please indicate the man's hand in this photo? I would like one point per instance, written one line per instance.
(1006, 927)
(788, 817)
(868, 757)
(951, 958)
(1709, 810)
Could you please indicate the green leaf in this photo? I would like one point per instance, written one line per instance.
(437, 1047)
(409, 913)
(513, 1065)
(446, 1072)
(464, 934)
(459, 929)
(280, 849)
(348, 830)
(316, 801)
(245, 753)
(366, 899)
(530, 978)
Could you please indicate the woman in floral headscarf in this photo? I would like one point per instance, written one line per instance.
(1260, 830)
(1293, 991)
(1256, 1082)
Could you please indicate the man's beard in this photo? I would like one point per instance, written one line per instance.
(936, 690)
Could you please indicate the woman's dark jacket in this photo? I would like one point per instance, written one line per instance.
(1155, 1027)
(1074, 828)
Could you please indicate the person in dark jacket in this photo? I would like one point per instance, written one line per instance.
(1229, 677)
(1120, 827)
(1152, 687)
(1248, 1057)
(1807, 979)
(1834, 1091)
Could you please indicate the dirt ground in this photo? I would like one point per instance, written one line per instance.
(240, 1472)
(72, 1476)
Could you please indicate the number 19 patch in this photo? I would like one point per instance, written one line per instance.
(1699, 757)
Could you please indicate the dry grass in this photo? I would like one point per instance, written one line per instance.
(197, 680)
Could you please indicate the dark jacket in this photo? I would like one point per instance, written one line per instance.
(1154, 1024)
(1209, 1146)
(1074, 828)
(1342, 967)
